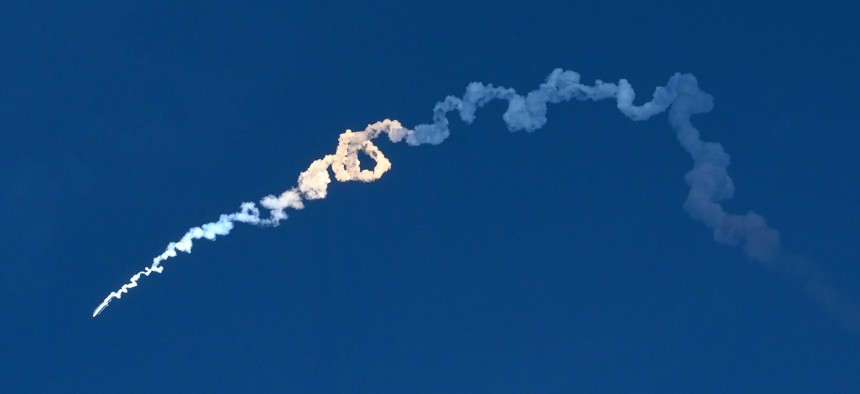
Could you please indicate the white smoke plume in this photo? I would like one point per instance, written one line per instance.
(708, 180)
(312, 185)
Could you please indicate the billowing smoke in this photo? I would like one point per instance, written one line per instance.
(708, 180)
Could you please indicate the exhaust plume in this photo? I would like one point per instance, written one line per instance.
(708, 180)
(312, 185)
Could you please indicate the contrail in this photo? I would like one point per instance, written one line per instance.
(709, 181)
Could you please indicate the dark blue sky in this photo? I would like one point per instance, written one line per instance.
(558, 261)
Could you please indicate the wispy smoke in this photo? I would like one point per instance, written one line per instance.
(708, 180)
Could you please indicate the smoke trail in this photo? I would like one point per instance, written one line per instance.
(312, 185)
(709, 181)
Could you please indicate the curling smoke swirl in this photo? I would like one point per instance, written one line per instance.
(709, 181)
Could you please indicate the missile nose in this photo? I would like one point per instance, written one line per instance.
(100, 308)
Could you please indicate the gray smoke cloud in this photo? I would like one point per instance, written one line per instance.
(708, 180)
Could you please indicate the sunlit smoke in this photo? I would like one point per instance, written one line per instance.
(312, 184)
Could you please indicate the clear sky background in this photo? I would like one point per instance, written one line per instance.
(554, 262)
